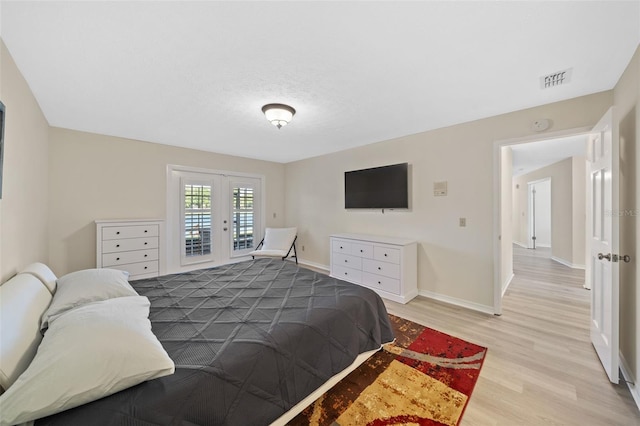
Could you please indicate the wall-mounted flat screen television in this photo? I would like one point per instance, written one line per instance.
(385, 187)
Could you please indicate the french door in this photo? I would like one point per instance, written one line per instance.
(213, 218)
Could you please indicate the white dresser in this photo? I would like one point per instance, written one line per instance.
(134, 246)
(387, 265)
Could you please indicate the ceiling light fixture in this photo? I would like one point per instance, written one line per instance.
(278, 114)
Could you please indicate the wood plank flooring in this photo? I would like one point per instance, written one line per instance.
(540, 368)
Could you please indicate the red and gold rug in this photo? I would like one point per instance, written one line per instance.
(424, 378)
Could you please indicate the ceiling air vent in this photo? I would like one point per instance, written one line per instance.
(556, 79)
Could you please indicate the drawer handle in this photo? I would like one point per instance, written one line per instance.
(379, 282)
(346, 273)
(145, 267)
(117, 245)
(361, 250)
(145, 231)
(385, 255)
(346, 261)
(379, 268)
(146, 255)
(341, 247)
(117, 258)
(117, 232)
(146, 244)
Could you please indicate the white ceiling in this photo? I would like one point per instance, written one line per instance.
(195, 74)
(528, 157)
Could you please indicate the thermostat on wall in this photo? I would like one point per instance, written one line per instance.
(440, 188)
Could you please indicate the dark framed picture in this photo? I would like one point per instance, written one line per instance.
(1, 143)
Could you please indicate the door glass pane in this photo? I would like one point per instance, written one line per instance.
(243, 214)
(197, 220)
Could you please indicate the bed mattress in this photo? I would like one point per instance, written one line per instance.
(249, 341)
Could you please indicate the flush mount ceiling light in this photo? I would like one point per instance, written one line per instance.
(278, 114)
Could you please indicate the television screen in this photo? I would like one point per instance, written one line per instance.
(377, 188)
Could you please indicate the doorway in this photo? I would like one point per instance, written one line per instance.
(539, 223)
(213, 217)
(557, 160)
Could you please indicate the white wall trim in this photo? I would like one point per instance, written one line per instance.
(304, 262)
(507, 284)
(543, 245)
(567, 263)
(458, 302)
(633, 386)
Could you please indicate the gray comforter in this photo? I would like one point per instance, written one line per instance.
(249, 341)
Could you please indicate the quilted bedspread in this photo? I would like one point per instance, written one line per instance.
(249, 341)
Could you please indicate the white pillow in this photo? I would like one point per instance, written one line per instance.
(87, 353)
(86, 286)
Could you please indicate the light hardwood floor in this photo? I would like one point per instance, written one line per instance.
(540, 368)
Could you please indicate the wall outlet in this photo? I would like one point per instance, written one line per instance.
(463, 221)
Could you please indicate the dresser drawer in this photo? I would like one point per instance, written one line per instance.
(347, 261)
(381, 268)
(380, 282)
(347, 274)
(138, 231)
(362, 250)
(140, 268)
(341, 246)
(121, 258)
(112, 246)
(386, 254)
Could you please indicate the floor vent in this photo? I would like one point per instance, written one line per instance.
(556, 79)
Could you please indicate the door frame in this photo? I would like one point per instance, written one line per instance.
(497, 200)
(172, 215)
(530, 208)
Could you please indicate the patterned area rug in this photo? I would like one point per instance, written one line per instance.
(424, 378)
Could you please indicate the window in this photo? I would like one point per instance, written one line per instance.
(197, 220)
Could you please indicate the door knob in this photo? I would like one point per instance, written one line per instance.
(626, 258)
(604, 256)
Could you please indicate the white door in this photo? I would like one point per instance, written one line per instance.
(245, 230)
(602, 233)
(212, 218)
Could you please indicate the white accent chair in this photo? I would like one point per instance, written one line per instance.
(277, 242)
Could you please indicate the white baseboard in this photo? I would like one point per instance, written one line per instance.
(543, 245)
(507, 284)
(518, 243)
(324, 268)
(633, 386)
(567, 263)
(458, 302)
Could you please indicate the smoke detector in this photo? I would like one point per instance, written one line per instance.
(540, 125)
(556, 79)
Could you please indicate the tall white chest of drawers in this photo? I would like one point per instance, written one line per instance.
(387, 265)
(134, 246)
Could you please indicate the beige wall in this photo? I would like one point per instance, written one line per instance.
(453, 262)
(579, 204)
(567, 208)
(626, 97)
(24, 205)
(103, 177)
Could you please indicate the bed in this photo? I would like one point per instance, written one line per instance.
(252, 343)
